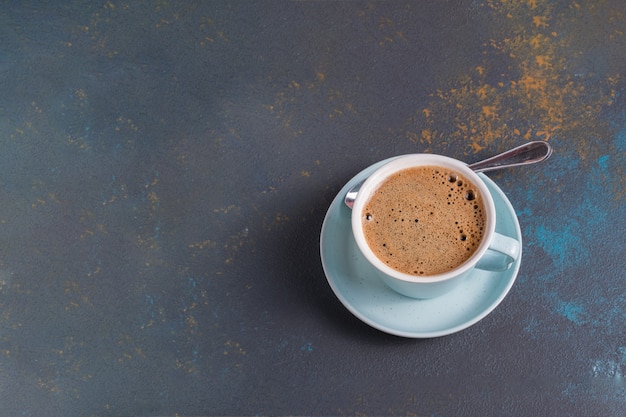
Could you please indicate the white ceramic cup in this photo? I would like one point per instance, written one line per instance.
(495, 252)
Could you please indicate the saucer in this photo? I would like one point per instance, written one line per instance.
(365, 295)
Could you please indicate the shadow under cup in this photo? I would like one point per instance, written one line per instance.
(495, 252)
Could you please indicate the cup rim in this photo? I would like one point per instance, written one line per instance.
(416, 160)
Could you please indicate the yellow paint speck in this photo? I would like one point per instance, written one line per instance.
(540, 21)
(476, 147)
(489, 111)
(543, 61)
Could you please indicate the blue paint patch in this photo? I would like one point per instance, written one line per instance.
(607, 368)
(532, 327)
(574, 312)
(620, 139)
(574, 216)
(571, 390)
(307, 347)
(560, 243)
(603, 162)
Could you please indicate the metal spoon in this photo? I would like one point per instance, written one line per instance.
(529, 153)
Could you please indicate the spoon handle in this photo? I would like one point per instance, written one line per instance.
(528, 153)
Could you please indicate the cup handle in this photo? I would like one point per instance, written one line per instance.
(502, 252)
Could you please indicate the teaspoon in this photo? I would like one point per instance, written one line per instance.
(529, 153)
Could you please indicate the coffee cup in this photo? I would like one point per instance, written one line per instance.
(425, 222)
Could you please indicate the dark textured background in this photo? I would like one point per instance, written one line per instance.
(165, 168)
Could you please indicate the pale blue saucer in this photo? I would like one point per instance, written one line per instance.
(356, 285)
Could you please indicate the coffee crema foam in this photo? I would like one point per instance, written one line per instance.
(424, 220)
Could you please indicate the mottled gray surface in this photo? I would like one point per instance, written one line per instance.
(165, 169)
